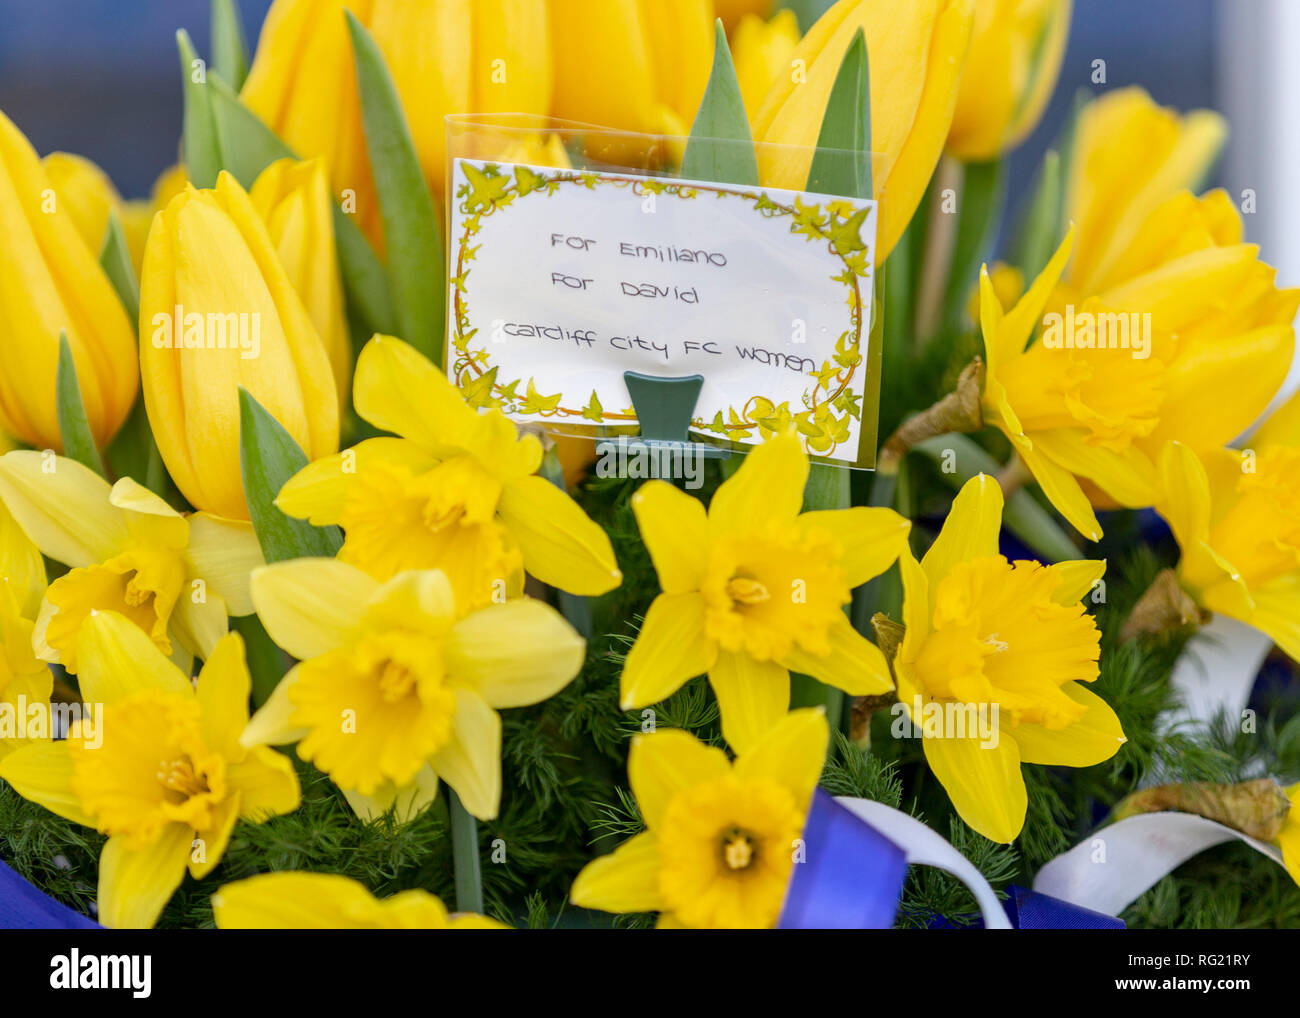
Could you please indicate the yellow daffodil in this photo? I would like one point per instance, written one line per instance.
(762, 51)
(445, 56)
(322, 901)
(294, 201)
(160, 771)
(1128, 156)
(21, 568)
(1288, 839)
(130, 552)
(1236, 517)
(219, 312)
(457, 491)
(1282, 426)
(1187, 339)
(753, 589)
(51, 282)
(637, 65)
(1007, 638)
(721, 836)
(916, 51)
(1015, 55)
(395, 690)
(24, 678)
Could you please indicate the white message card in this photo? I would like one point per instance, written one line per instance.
(562, 280)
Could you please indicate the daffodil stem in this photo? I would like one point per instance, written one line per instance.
(464, 854)
(941, 238)
(575, 608)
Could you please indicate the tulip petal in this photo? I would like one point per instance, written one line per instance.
(514, 654)
(62, 506)
(872, 539)
(135, 884)
(971, 530)
(471, 762)
(668, 762)
(309, 605)
(223, 553)
(984, 784)
(561, 546)
(116, 659)
(626, 880)
(1095, 737)
(752, 696)
(671, 648)
(792, 753)
(42, 773)
(674, 528)
(854, 663)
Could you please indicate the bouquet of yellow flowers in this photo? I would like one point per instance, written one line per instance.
(311, 618)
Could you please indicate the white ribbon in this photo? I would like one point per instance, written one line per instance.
(1217, 670)
(1114, 866)
(924, 846)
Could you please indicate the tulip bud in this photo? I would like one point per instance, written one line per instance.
(218, 312)
(1015, 56)
(762, 52)
(51, 281)
(294, 201)
(916, 51)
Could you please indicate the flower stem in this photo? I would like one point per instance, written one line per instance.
(575, 608)
(464, 854)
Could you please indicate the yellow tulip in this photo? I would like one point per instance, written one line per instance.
(50, 281)
(137, 216)
(323, 901)
(1197, 341)
(1128, 156)
(636, 65)
(445, 56)
(87, 193)
(217, 312)
(1236, 517)
(762, 52)
(1015, 56)
(294, 201)
(916, 51)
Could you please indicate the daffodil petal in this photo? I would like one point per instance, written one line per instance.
(666, 763)
(971, 530)
(1128, 477)
(872, 539)
(561, 546)
(1062, 489)
(1076, 578)
(471, 762)
(626, 880)
(671, 648)
(1185, 495)
(854, 663)
(792, 753)
(223, 689)
(1277, 612)
(62, 506)
(319, 491)
(199, 625)
(406, 802)
(223, 553)
(984, 784)
(410, 595)
(266, 782)
(399, 390)
(1018, 323)
(116, 659)
(309, 604)
(42, 773)
(675, 529)
(768, 486)
(752, 696)
(135, 884)
(209, 844)
(148, 517)
(1095, 737)
(514, 654)
(271, 725)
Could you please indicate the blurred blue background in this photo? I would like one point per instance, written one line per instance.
(102, 78)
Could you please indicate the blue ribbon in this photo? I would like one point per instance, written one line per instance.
(23, 907)
(1029, 910)
(850, 877)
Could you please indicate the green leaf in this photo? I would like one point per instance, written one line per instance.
(269, 457)
(981, 203)
(248, 147)
(417, 274)
(229, 49)
(134, 453)
(201, 149)
(1023, 516)
(721, 147)
(1040, 229)
(115, 259)
(74, 426)
(842, 163)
